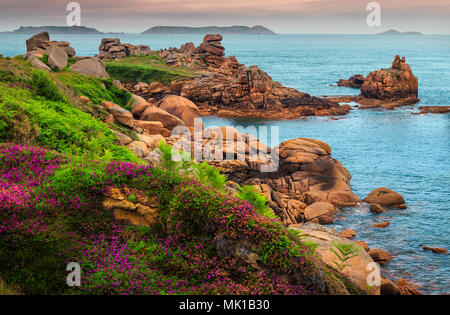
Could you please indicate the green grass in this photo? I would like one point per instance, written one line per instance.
(146, 69)
(97, 90)
(29, 118)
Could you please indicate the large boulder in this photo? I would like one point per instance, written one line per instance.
(70, 51)
(37, 63)
(153, 127)
(139, 105)
(154, 113)
(91, 67)
(180, 107)
(356, 269)
(112, 48)
(122, 116)
(38, 41)
(386, 197)
(394, 83)
(380, 256)
(57, 57)
(152, 141)
(321, 211)
(139, 148)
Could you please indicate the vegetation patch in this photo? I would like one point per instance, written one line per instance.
(146, 69)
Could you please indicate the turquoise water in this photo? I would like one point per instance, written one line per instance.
(408, 153)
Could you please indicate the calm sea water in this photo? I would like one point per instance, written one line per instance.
(408, 153)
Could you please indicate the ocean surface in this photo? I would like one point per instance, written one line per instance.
(395, 149)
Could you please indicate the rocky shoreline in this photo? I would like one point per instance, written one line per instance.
(309, 187)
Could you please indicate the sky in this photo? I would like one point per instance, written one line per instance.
(282, 16)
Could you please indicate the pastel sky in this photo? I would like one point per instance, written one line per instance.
(283, 16)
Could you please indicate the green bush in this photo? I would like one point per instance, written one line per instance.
(256, 200)
(97, 90)
(128, 72)
(43, 85)
(60, 125)
(210, 176)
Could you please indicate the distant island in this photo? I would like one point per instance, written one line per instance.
(56, 30)
(395, 32)
(170, 30)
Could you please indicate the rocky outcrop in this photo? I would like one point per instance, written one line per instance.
(356, 269)
(250, 92)
(90, 66)
(435, 250)
(433, 110)
(321, 212)
(226, 88)
(112, 48)
(154, 113)
(349, 234)
(380, 256)
(376, 208)
(133, 207)
(41, 42)
(397, 82)
(306, 174)
(386, 197)
(40, 45)
(355, 81)
(382, 225)
(407, 288)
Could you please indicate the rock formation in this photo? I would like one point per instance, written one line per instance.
(90, 66)
(380, 256)
(386, 88)
(307, 175)
(112, 48)
(397, 82)
(58, 52)
(355, 81)
(41, 42)
(141, 212)
(356, 269)
(386, 197)
(433, 110)
(225, 87)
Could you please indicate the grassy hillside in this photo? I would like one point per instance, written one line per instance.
(59, 160)
(146, 69)
(44, 109)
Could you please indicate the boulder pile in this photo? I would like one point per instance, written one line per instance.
(58, 52)
(307, 185)
(112, 48)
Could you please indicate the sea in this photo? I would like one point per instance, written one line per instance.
(380, 148)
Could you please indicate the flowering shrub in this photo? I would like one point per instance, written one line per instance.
(51, 214)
